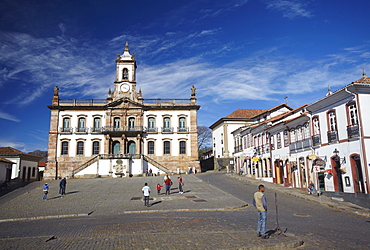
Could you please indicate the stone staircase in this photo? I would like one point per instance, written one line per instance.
(123, 156)
(85, 165)
(156, 164)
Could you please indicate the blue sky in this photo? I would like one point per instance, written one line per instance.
(237, 53)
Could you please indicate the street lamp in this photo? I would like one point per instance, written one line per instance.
(336, 152)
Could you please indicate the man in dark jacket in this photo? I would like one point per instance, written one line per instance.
(62, 186)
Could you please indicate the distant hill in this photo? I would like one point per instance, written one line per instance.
(43, 154)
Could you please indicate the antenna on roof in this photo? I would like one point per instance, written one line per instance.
(286, 100)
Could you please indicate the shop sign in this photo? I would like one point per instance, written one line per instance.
(312, 157)
(316, 169)
(320, 162)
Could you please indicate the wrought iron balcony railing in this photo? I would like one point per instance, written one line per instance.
(316, 140)
(167, 130)
(353, 131)
(332, 136)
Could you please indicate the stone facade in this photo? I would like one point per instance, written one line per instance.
(122, 126)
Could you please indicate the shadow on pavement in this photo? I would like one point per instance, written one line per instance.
(155, 203)
(12, 186)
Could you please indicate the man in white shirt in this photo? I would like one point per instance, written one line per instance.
(146, 192)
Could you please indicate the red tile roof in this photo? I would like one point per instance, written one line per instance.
(363, 80)
(8, 151)
(245, 113)
(5, 160)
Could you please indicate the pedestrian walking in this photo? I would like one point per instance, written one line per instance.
(181, 191)
(259, 201)
(146, 192)
(62, 186)
(159, 188)
(168, 183)
(45, 191)
(165, 177)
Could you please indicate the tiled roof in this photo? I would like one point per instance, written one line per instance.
(8, 151)
(363, 80)
(245, 113)
(5, 160)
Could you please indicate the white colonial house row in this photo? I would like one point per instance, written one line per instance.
(341, 137)
(124, 134)
(225, 145)
(252, 144)
(325, 143)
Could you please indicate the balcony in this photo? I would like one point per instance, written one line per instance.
(65, 130)
(316, 140)
(332, 136)
(96, 130)
(353, 131)
(300, 145)
(122, 129)
(81, 130)
(182, 130)
(238, 149)
(167, 130)
(151, 130)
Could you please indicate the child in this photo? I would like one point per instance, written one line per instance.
(159, 188)
(181, 191)
(46, 191)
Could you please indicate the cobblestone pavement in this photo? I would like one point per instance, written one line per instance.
(110, 214)
(323, 200)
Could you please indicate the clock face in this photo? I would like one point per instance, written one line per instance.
(125, 87)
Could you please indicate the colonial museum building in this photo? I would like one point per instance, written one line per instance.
(325, 143)
(124, 134)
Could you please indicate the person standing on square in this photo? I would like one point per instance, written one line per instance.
(259, 201)
(146, 192)
(181, 191)
(159, 187)
(45, 191)
(62, 186)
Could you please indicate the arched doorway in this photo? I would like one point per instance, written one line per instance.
(116, 146)
(337, 174)
(132, 147)
(302, 173)
(357, 175)
(279, 170)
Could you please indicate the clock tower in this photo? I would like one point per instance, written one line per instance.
(125, 83)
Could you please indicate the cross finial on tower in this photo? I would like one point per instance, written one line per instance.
(329, 91)
(126, 49)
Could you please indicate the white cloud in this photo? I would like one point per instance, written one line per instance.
(13, 144)
(290, 8)
(87, 70)
(9, 117)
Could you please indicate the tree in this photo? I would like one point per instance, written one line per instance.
(204, 137)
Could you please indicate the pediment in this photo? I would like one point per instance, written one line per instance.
(124, 103)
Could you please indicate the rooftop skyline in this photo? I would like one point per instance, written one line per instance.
(239, 54)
